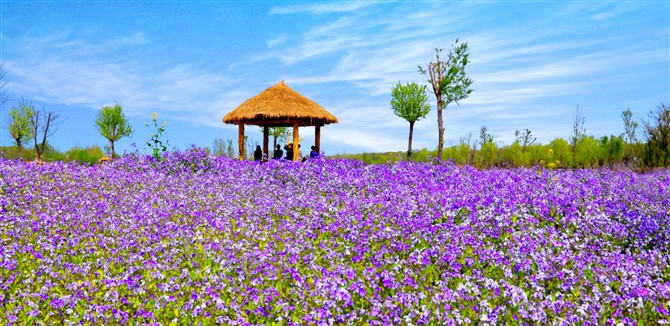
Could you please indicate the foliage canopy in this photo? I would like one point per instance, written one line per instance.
(112, 124)
(19, 124)
(449, 82)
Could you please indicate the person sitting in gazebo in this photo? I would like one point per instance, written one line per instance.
(258, 153)
(300, 154)
(278, 153)
(289, 152)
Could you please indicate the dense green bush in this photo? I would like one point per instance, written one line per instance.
(89, 155)
(589, 153)
(28, 154)
(513, 155)
(562, 152)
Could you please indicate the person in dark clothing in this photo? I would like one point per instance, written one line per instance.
(289, 152)
(313, 153)
(258, 153)
(278, 153)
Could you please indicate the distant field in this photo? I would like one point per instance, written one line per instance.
(199, 239)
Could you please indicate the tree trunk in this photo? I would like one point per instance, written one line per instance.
(440, 129)
(409, 145)
(111, 143)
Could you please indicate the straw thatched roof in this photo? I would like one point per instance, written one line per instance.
(279, 105)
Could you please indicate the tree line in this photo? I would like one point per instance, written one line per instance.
(448, 81)
(642, 145)
(26, 124)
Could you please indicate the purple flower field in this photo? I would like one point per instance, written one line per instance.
(195, 239)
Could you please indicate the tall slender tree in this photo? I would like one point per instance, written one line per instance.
(410, 102)
(219, 148)
(449, 82)
(578, 129)
(630, 127)
(112, 124)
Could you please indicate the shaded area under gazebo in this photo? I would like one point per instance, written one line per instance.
(279, 106)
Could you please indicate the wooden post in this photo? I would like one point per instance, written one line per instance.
(295, 140)
(266, 132)
(317, 138)
(240, 141)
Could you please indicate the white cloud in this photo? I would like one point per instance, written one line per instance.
(277, 41)
(322, 8)
(617, 10)
(74, 73)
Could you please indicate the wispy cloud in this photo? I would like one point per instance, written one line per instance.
(614, 11)
(74, 73)
(277, 41)
(321, 8)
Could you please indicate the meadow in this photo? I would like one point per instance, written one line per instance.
(198, 239)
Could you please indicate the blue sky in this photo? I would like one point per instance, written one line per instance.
(532, 63)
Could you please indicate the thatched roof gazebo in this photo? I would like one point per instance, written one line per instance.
(279, 106)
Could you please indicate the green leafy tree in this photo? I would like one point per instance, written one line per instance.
(278, 134)
(537, 154)
(112, 124)
(513, 155)
(587, 152)
(19, 124)
(487, 149)
(449, 82)
(219, 148)
(611, 149)
(230, 150)
(410, 102)
(562, 152)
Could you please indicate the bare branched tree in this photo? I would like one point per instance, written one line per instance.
(630, 127)
(578, 129)
(525, 139)
(657, 133)
(43, 125)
